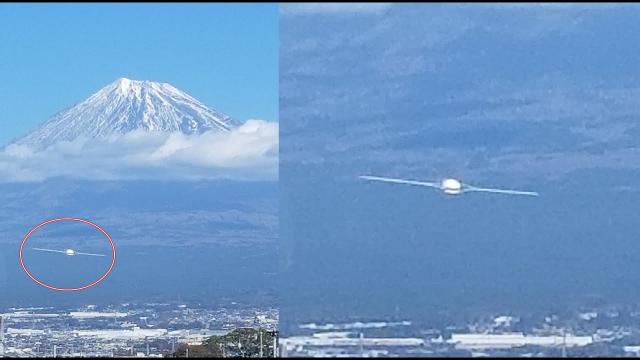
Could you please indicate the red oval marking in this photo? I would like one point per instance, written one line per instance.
(50, 287)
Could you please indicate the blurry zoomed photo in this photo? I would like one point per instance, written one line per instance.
(138, 180)
(459, 179)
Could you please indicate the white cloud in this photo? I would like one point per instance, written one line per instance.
(333, 8)
(249, 152)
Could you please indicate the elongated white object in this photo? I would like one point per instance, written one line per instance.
(401, 181)
(450, 186)
(500, 191)
(68, 252)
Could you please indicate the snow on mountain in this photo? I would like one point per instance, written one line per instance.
(127, 105)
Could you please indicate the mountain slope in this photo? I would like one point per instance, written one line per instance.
(127, 105)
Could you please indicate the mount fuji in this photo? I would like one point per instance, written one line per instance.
(126, 105)
(165, 194)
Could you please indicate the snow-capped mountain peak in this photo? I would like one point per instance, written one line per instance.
(126, 105)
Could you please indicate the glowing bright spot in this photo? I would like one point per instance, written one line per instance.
(451, 184)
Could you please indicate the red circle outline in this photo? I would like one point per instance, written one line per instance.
(50, 287)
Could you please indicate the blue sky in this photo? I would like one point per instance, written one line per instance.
(54, 55)
(472, 91)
